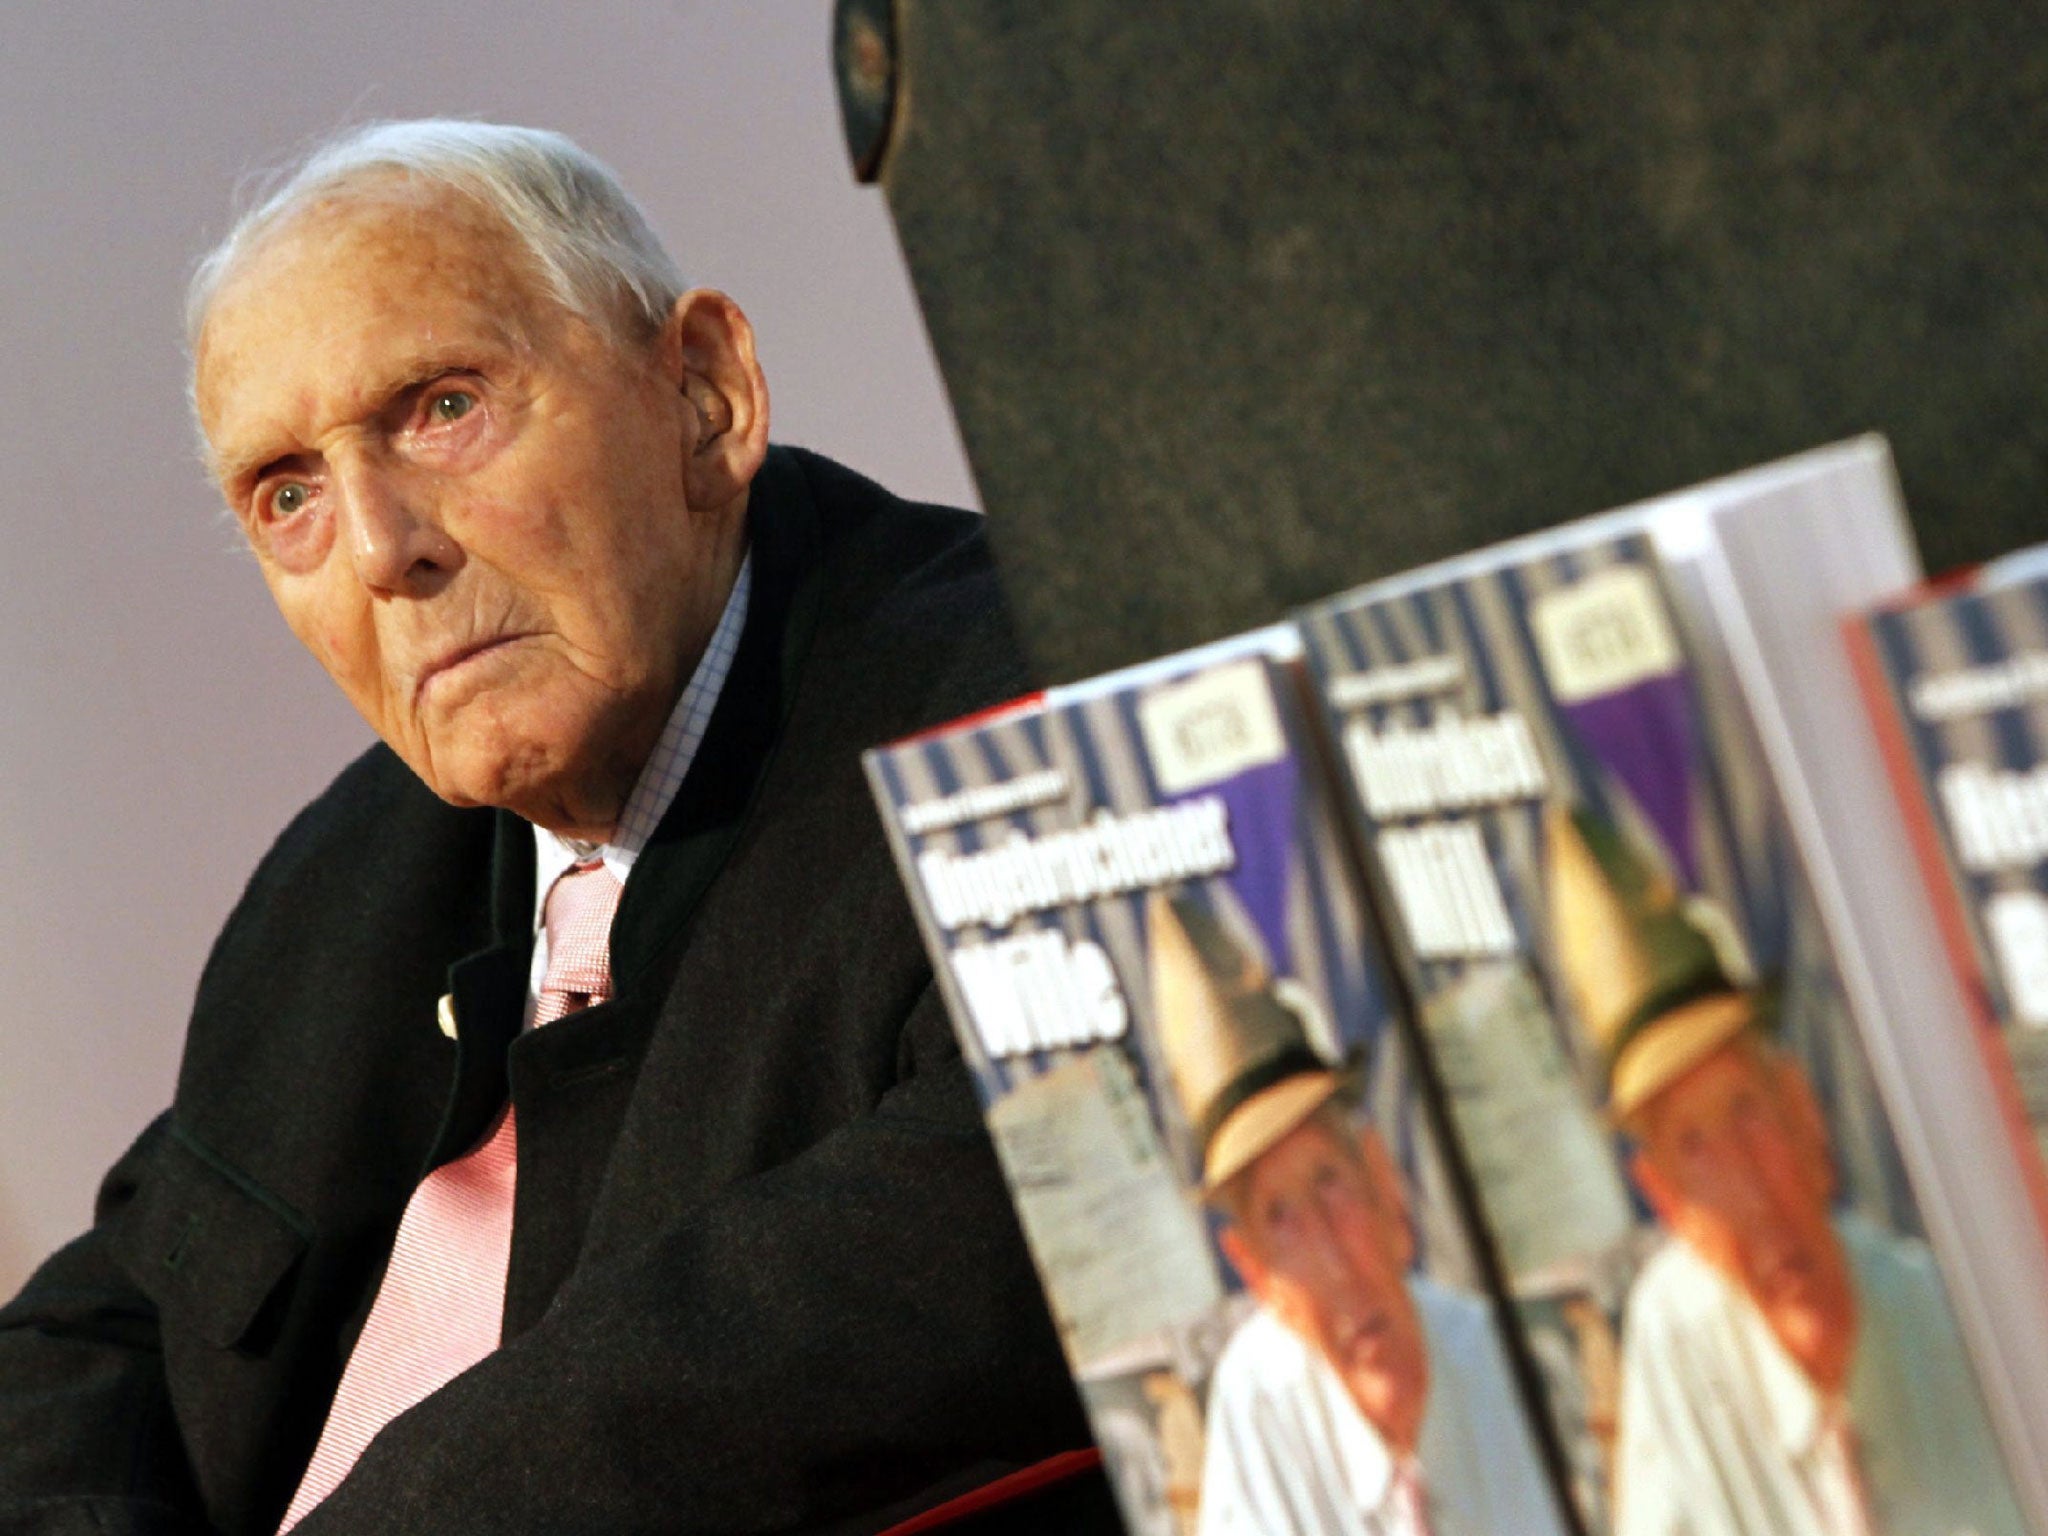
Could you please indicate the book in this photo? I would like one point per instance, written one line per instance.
(1569, 788)
(1144, 918)
(1787, 562)
(1955, 678)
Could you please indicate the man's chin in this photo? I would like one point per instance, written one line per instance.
(467, 775)
(563, 756)
(515, 754)
(1805, 1322)
(1788, 1283)
(1389, 1399)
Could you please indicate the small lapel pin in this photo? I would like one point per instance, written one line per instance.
(444, 1014)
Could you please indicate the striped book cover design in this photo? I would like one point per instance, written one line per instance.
(1957, 682)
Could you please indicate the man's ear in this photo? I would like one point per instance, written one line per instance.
(1664, 1200)
(1243, 1259)
(1385, 1177)
(707, 349)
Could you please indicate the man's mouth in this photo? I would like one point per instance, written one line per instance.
(1363, 1336)
(455, 658)
(1783, 1270)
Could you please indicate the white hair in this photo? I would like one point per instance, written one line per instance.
(587, 238)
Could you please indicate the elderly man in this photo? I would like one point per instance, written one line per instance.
(568, 1136)
(1358, 1399)
(1786, 1370)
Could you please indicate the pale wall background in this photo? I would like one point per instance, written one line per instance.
(157, 723)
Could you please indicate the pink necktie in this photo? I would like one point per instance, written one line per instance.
(441, 1305)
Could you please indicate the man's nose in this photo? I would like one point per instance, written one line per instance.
(1329, 1248)
(1739, 1190)
(391, 533)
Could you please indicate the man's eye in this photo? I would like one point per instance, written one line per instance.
(289, 499)
(452, 404)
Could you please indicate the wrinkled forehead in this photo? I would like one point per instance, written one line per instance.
(379, 220)
(1299, 1169)
(385, 245)
(1296, 1161)
(348, 285)
(1733, 1078)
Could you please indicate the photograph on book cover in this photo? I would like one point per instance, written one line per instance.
(1628, 1003)
(1154, 944)
(1959, 683)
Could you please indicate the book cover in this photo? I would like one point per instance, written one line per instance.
(1143, 915)
(1956, 680)
(1631, 1008)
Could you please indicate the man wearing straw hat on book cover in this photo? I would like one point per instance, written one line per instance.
(1787, 1369)
(1358, 1399)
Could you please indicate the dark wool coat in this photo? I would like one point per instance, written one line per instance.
(764, 1274)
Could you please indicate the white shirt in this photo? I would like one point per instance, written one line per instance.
(655, 790)
(1289, 1453)
(1722, 1433)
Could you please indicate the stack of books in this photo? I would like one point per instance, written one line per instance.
(1551, 1042)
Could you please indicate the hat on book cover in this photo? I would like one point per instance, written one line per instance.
(1236, 1041)
(1647, 980)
